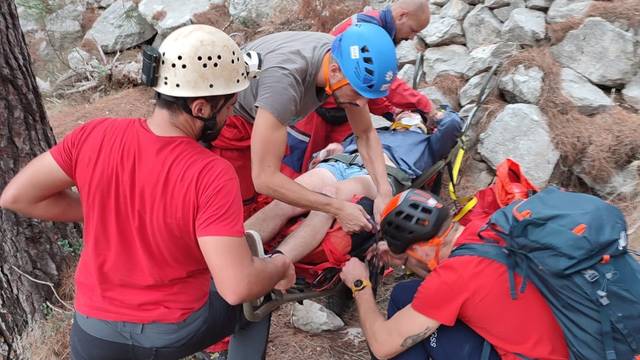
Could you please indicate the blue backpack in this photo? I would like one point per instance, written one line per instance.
(573, 247)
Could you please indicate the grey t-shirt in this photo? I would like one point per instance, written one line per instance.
(286, 86)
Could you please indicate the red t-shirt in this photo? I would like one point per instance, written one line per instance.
(476, 290)
(146, 199)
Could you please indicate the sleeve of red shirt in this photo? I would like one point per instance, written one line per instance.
(64, 153)
(220, 203)
(403, 96)
(442, 293)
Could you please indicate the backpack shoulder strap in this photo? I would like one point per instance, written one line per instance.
(493, 252)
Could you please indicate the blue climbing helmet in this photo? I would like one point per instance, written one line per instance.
(367, 57)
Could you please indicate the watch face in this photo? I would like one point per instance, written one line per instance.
(358, 283)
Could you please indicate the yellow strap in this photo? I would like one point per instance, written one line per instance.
(457, 164)
(467, 207)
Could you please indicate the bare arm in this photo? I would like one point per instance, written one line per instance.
(370, 149)
(43, 191)
(388, 338)
(238, 276)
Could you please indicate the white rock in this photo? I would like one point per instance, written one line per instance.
(588, 98)
(520, 132)
(120, 27)
(406, 51)
(438, 2)
(65, 23)
(29, 21)
(631, 92)
(481, 27)
(257, 11)
(495, 4)
(542, 5)
(524, 26)
(451, 59)
(43, 86)
(503, 13)
(523, 85)
(314, 318)
(470, 93)
(485, 57)
(562, 10)
(406, 73)
(443, 31)
(81, 61)
(599, 51)
(456, 9)
(436, 96)
(168, 15)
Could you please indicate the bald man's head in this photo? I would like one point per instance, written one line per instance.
(410, 16)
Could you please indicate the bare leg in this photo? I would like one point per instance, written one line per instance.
(269, 220)
(307, 237)
(313, 229)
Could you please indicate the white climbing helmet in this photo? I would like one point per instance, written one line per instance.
(200, 60)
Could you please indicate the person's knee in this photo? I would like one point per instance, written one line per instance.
(279, 208)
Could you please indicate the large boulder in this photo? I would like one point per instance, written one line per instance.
(406, 51)
(63, 26)
(495, 4)
(503, 13)
(120, 27)
(168, 15)
(481, 27)
(250, 12)
(599, 51)
(438, 2)
(588, 98)
(443, 31)
(520, 132)
(314, 318)
(470, 93)
(451, 59)
(522, 85)
(631, 92)
(542, 5)
(562, 10)
(29, 20)
(485, 57)
(524, 26)
(437, 97)
(456, 9)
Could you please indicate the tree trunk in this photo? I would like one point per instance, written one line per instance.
(30, 246)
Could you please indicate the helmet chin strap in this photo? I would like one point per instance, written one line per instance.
(330, 88)
(210, 131)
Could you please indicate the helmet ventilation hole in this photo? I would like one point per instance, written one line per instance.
(184, 66)
(210, 86)
(233, 61)
(166, 83)
(173, 65)
(209, 58)
(162, 62)
(237, 81)
(367, 60)
(219, 57)
(199, 58)
(364, 49)
(204, 65)
(179, 57)
(177, 85)
(215, 64)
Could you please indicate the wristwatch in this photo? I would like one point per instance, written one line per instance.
(359, 285)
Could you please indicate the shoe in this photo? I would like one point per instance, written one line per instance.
(254, 240)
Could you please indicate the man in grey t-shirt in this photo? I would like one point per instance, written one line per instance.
(299, 71)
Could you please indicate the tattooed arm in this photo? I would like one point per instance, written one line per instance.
(388, 338)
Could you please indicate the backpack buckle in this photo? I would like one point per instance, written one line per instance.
(602, 297)
(591, 275)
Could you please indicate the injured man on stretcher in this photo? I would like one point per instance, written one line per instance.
(338, 171)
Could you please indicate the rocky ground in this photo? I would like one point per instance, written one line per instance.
(564, 103)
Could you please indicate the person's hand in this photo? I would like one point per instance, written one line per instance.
(353, 218)
(378, 205)
(327, 152)
(289, 278)
(353, 270)
(381, 250)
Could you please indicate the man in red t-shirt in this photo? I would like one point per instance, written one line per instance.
(162, 214)
(461, 303)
